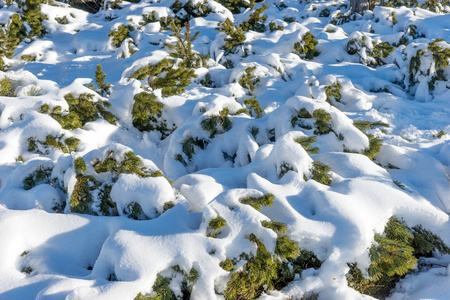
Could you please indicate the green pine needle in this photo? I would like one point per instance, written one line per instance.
(259, 202)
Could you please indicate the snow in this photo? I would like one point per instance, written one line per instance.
(76, 256)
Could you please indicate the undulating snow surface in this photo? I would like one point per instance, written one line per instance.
(73, 255)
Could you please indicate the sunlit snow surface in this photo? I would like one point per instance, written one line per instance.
(73, 255)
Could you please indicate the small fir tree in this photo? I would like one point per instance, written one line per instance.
(333, 92)
(183, 47)
(79, 166)
(31, 13)
(10, 37)
(189, 145)
(167, 75)
(103, 88)
(258, 275)
(119, 35)
(217, 124)
(323, 121)
(248, 81)
(81, 198)
(147, 113)
(393, 254)
(253, 106)
(255, 21)
(274, 27)
(235, 36)
(306, 48)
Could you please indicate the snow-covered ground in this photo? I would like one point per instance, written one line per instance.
(97, 256)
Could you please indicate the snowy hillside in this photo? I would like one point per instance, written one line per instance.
(173, 149)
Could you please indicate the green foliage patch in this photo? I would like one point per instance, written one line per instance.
(79, 166)
(40, 176)
(81, 111)
(130, 164)
(274, 27)
(306, 48)
(253, 107)
(81, 198)
(284, 168)
(227, 265)
(147, 114)
(333, 92)
(366, 125)
(375, 53)
(161, 290)
(320, 172)
(217, 124)
(161, 287)
(322, 124)
(6, 87)
(397, 3)
(119, 35)
(256, 20)
(188, 146)
(167, 75)
(183, 47)
(323, 121)
(375, 143)
(286, 248)
(235, 6)
(235, 36)
(31, 13)
(189, 11)
(217, 223)
(393, 254)
(440, 134)
(306, 141)
(436, 5)
(248, 80)
(278, 227)
(258, 274)
(134, 211)
(66, 145)
(192, 11)
(259, 202)
(88, 187)
(440, 51)
(266, 271)
(103, 87)
(374, 147)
